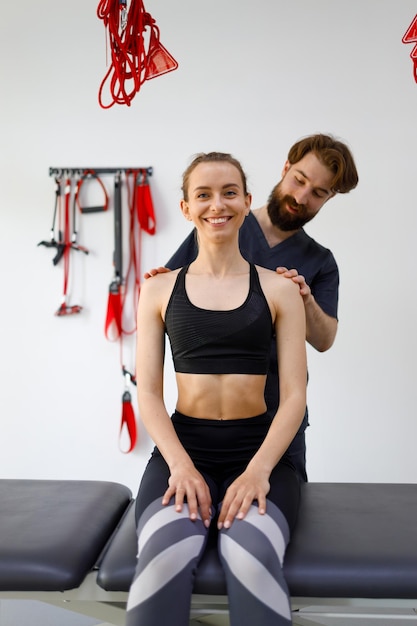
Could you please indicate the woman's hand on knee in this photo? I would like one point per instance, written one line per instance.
(188, 485)
(239, 497)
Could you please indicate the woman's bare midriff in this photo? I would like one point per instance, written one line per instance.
(220, 396)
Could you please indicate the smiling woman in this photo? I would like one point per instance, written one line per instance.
(219, 460)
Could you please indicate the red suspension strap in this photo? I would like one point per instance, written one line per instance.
(113, 323)
(124, 289)
(141, 219)
(133, 60)
(128, 429)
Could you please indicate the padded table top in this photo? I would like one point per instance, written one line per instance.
(53, 531)
(352, 540)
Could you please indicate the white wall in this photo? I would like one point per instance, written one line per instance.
(252, 79)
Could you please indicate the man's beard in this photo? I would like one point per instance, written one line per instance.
(280, 217)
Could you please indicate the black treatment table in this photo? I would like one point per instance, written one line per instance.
(73, 544)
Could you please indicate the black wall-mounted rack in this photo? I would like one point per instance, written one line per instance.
(71, 171)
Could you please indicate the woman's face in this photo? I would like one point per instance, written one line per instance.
(217, 203)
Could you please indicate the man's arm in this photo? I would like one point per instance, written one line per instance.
(321, 328)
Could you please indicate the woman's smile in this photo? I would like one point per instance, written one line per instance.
(217, 220)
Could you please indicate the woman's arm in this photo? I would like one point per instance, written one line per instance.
(185, 482)
(290, 326)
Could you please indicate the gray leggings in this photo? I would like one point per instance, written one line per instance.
(251, 551)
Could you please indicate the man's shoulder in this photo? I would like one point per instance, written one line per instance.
(307, 240)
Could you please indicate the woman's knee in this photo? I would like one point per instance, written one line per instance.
(164, 532)
(263, 537)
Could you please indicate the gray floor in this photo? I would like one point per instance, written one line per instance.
(29, 612)
(33, 613)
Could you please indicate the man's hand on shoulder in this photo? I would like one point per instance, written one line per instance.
(155, 271)
(297, 278)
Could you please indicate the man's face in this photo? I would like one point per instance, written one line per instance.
(299, 196)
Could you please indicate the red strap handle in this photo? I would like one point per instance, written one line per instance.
(128, 423)
(91, 175)
(144, 205)
(113, 322)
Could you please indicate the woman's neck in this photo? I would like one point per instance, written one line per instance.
(219, 262)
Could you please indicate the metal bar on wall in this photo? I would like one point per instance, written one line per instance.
(55, 171)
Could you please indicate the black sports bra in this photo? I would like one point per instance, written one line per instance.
(202, 341)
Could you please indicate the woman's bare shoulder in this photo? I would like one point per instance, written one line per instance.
(275, 283)
(159, 285)
(271, 275)
(264, 271)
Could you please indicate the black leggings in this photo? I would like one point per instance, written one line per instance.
(251, 551)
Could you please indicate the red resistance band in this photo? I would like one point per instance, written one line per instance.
(132, 62)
